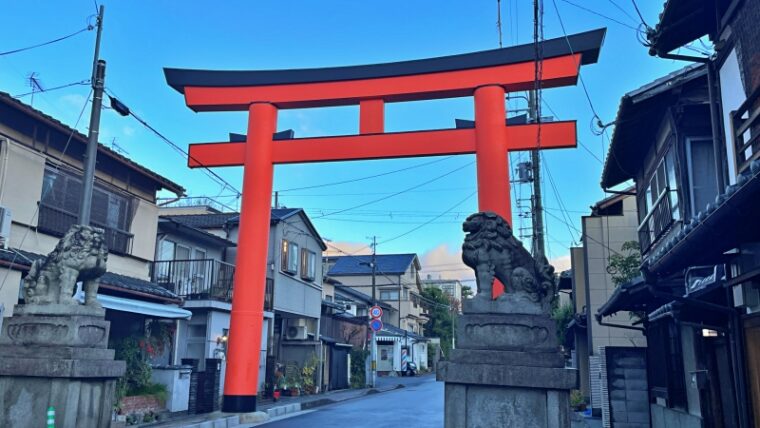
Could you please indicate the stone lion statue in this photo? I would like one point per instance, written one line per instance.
(80, 255)
(493, 252)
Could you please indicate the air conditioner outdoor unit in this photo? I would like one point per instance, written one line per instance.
(296, 333)
(297, 322)
(5, 226)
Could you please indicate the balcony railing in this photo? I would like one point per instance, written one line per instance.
(57, 222)
(745, 125)
(195, 279)
(657, 222)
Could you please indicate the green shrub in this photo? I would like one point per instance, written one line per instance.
(358, 361)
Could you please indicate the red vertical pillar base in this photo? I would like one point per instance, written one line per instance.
(239, 403)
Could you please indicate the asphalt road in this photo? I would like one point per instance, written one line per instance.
(419, 405)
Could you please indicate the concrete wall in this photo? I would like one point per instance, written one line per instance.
(11, 282)
(578, 264)
(602, 235)
(663, 417)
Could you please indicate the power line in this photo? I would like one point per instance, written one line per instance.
(56, 166)
(310, 195)
(580, 76)
(397, 193)
(429, 221)
(600, 15)
(68, 85)
(49, 42)
(354, 180)
(122, 109)
(620, 8)
(635, 6)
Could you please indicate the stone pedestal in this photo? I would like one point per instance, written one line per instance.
(507, 371)
(56, 355)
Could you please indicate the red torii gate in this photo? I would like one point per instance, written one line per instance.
(487, 75)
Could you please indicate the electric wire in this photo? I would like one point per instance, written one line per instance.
(56, 166)
(55, 88)
(416, 186)
(216, 177)
(49, 42)
(354, 180)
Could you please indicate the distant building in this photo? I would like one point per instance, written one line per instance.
(293, 292)
(612, 222)
(452, 287)
(397, 283)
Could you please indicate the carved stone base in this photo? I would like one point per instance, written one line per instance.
(507, 371)
(43, 326)
(508, 332)
(48, 358)
(507, 303)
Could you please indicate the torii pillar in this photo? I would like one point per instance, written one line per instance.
(486, 76)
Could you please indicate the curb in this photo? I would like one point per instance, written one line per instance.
(279, 411)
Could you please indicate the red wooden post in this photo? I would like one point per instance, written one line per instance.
(241, 386)
(491, 156)
(371, 116)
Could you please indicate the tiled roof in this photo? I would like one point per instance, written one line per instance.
(389, 330)
(203, 221)
(359, 265)
(217, 221)
(23, 259)
(699, 239)
(78, 136)
(635, 122)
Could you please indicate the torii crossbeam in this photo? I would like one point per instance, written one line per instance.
(486, 75)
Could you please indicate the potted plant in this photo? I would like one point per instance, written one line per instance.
(577, 401)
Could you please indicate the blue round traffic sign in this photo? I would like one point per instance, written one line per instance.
(375, 312)
(376, 325)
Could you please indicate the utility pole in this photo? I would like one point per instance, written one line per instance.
(373, 349)
(98, 83)
(537, 206)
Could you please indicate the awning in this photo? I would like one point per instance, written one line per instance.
(139, 307)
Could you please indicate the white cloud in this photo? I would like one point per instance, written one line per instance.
(445, 263)
(128, 131)
(73, 101)
(561, 263)
(342, 248)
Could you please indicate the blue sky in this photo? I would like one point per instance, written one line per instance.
(142, 37)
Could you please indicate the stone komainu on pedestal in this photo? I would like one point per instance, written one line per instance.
(53, 351)
(507, 369)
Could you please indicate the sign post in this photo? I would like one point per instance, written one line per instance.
(375, 312)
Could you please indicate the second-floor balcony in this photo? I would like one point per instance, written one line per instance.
(657, 222)
(57, 222)
(201, 279)
(745, 125)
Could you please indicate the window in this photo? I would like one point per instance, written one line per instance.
(59, 208)
(388, 294)
(703, 181)
(658, 201)
(289, 261)
(308, 265)
(166, 249)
